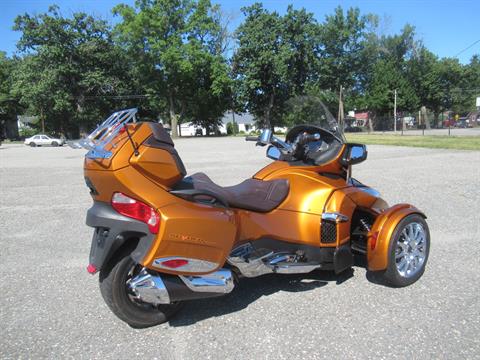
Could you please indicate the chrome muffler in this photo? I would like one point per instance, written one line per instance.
(156, 288)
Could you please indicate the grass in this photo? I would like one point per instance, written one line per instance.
(434, 142)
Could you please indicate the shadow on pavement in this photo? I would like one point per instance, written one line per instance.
(249, 290)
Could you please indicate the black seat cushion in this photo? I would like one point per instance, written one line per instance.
(251, 194)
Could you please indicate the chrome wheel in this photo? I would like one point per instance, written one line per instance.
(411, 250)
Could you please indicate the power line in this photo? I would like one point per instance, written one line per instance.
(468, 47)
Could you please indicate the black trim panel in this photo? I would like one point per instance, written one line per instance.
(112, 230)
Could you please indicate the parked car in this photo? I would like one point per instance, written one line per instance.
(42, 140)
(464, 123)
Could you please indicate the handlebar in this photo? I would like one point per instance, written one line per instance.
(251, 138)
(306, 138)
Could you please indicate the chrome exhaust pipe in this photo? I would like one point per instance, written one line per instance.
(156, 288)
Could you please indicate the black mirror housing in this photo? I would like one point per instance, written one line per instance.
(273, 153)
(354, 154)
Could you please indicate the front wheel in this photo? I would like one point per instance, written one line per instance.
(32, 144)
(408, 251)
(118, 297)
(54, 143)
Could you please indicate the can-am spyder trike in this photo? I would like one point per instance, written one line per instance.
(162, 238)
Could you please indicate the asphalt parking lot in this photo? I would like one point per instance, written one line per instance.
(50, 307)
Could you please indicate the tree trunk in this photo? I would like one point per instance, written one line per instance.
(435, 116)
(370, 125)
(173, 117)
(268, 111)
(42, 120)
(423, 111)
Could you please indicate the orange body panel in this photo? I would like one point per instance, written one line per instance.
(381, 233)
(158, 165)
(194, 231)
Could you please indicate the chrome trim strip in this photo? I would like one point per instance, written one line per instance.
(335, 217)
(253, 263)
(220, 282)
(193, 266)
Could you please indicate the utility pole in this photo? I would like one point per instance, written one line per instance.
(395, 112)
(340, 109)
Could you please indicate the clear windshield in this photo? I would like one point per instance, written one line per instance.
(310, 110)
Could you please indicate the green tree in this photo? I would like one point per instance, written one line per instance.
(9, 105)
(390, 71)
(469, 85)
(176, 47)
(343, 56)
(424, 75)
(69, 66)
(274, 60)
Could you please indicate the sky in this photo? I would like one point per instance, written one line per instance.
(447, 28)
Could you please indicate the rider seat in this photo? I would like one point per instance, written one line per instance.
(251, 194)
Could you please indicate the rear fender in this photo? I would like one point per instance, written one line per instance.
(381, 233)
(112, 231)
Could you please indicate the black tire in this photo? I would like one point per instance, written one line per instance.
(114, 291)
(32, 144)
(392, 275)
(54, 143)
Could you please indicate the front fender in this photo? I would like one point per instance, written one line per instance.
(381, 233)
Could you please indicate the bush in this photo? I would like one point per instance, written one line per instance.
(232, 128)
(26, 132)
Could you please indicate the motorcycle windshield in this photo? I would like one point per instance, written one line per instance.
(310, 110)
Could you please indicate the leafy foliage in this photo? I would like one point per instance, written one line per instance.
(274, 60)
(175, 46)
(70, 64)
(170, 59)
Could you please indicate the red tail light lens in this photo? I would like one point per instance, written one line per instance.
(175, 263)
(138, 210)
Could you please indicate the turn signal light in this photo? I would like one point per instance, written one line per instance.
(175, 263)
(137, 210)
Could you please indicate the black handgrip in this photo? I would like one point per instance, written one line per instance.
(251, 138)
(306, 138)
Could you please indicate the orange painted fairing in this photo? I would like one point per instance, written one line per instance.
(382, 230)
(193, 230)
(158, 165)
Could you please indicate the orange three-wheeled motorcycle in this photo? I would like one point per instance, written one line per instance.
(162, 237)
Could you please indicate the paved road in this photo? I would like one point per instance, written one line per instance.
(51, 308)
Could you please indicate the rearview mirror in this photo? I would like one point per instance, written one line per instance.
(273, 153)
(265, 137)
(354, 154)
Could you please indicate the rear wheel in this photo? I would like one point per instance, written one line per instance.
(54, 143)
(408, 251)
(122, 302)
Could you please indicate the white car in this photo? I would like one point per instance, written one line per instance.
(42, 140)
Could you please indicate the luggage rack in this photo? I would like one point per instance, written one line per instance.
(103, 135)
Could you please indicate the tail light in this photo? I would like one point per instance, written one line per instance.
(137, 210)
(175, 263)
